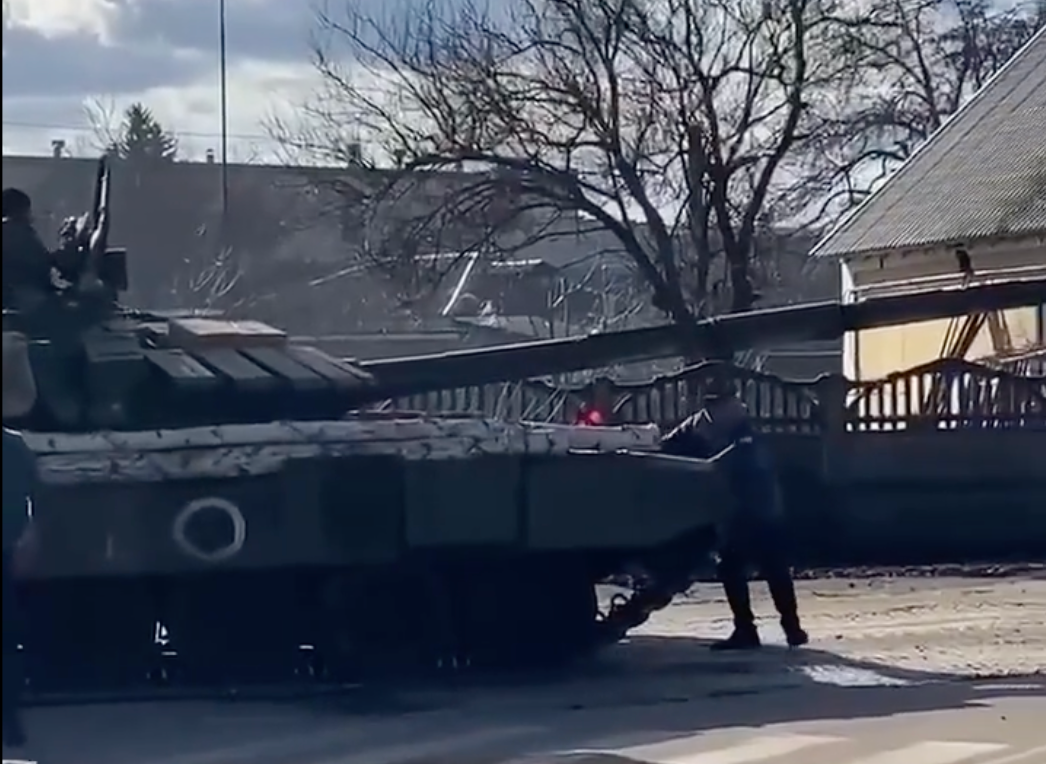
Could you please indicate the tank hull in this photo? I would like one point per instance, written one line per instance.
(238, 555)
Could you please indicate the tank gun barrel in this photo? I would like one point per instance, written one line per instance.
(757, 329)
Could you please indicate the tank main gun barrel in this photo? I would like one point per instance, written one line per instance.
(757, 329)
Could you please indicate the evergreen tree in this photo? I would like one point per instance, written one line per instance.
(143, 139)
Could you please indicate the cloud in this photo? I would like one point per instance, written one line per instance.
(62, 54)
(191, 110)
(59, 18)
(261, 29)
(77, 63)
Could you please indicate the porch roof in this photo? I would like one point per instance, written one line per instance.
(982, 175)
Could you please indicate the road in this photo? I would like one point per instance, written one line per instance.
(901, 671)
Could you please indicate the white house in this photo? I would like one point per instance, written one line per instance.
(976, 189)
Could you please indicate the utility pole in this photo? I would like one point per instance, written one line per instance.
(224, 110)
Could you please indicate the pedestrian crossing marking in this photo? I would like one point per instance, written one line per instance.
(769, 749)
(440, 746)
(1035, 755)
(751, 751)
(308, 745)
(933, 752)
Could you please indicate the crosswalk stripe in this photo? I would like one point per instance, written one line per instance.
(751, 751)
(319, 743)
(1035, 755)
(244, 753)
(933, 752)
(440, 746)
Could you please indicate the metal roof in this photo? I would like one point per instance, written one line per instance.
(981, 175)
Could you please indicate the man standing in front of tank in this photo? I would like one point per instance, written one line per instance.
(753, 531)
(19, 395)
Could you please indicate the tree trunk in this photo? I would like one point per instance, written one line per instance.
(742, 295)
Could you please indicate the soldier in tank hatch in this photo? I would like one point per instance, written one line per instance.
(19, 482)
(27, 261)
(753, 532)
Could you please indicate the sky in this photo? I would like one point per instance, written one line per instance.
(66, 58)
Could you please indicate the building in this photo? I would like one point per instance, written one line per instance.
(971, 199)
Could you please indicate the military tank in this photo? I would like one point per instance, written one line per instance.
(220, 509)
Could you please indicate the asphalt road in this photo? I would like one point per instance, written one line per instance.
(901, 671)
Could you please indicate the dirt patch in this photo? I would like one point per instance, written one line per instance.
(958, 626)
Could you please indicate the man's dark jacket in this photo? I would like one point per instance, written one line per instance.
(749, 465)
(27, 261)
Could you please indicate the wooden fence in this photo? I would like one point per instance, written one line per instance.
(943, 394)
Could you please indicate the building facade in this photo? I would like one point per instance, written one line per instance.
(969, 206)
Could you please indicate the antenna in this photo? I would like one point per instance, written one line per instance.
(223, 108)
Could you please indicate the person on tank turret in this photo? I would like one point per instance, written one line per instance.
(19, 397)
(754, 529)
(27, 260)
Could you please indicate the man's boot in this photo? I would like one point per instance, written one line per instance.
(782, 591)
(745, 635)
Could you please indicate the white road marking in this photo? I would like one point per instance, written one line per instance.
(445, 746)
(751, 751)
(933, 752)
(1035, 755)
(302, 746)
(245, 753)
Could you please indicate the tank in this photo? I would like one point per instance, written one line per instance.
(219, 509)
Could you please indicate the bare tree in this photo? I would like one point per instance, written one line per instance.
(672, 125)
(104, 123)
(911, 65)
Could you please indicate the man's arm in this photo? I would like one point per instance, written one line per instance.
(686, 440)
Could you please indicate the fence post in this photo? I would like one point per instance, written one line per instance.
(831, 392)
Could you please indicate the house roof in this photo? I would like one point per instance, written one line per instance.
(982, 175)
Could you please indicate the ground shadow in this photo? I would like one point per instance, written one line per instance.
(676, 681)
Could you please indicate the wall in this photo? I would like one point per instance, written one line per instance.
(919, 498)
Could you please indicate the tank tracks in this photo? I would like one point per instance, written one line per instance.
(458, 624)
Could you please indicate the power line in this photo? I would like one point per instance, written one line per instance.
(87, 129)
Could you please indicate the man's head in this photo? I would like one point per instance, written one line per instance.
(17, 204)
(719, 387)
(19, 386)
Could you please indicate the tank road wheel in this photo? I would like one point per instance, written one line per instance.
(89, 635)
(383, 622)
(522, 613)
(450, 615)
(235, 628)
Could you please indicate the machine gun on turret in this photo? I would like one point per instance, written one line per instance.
(99, 273)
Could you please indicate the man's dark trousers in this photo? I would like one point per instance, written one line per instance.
(755, 541)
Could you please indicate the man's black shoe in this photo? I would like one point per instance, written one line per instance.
(741, 639)
(796, 637)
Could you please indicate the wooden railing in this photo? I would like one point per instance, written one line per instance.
(948, 394)
(944, 394)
